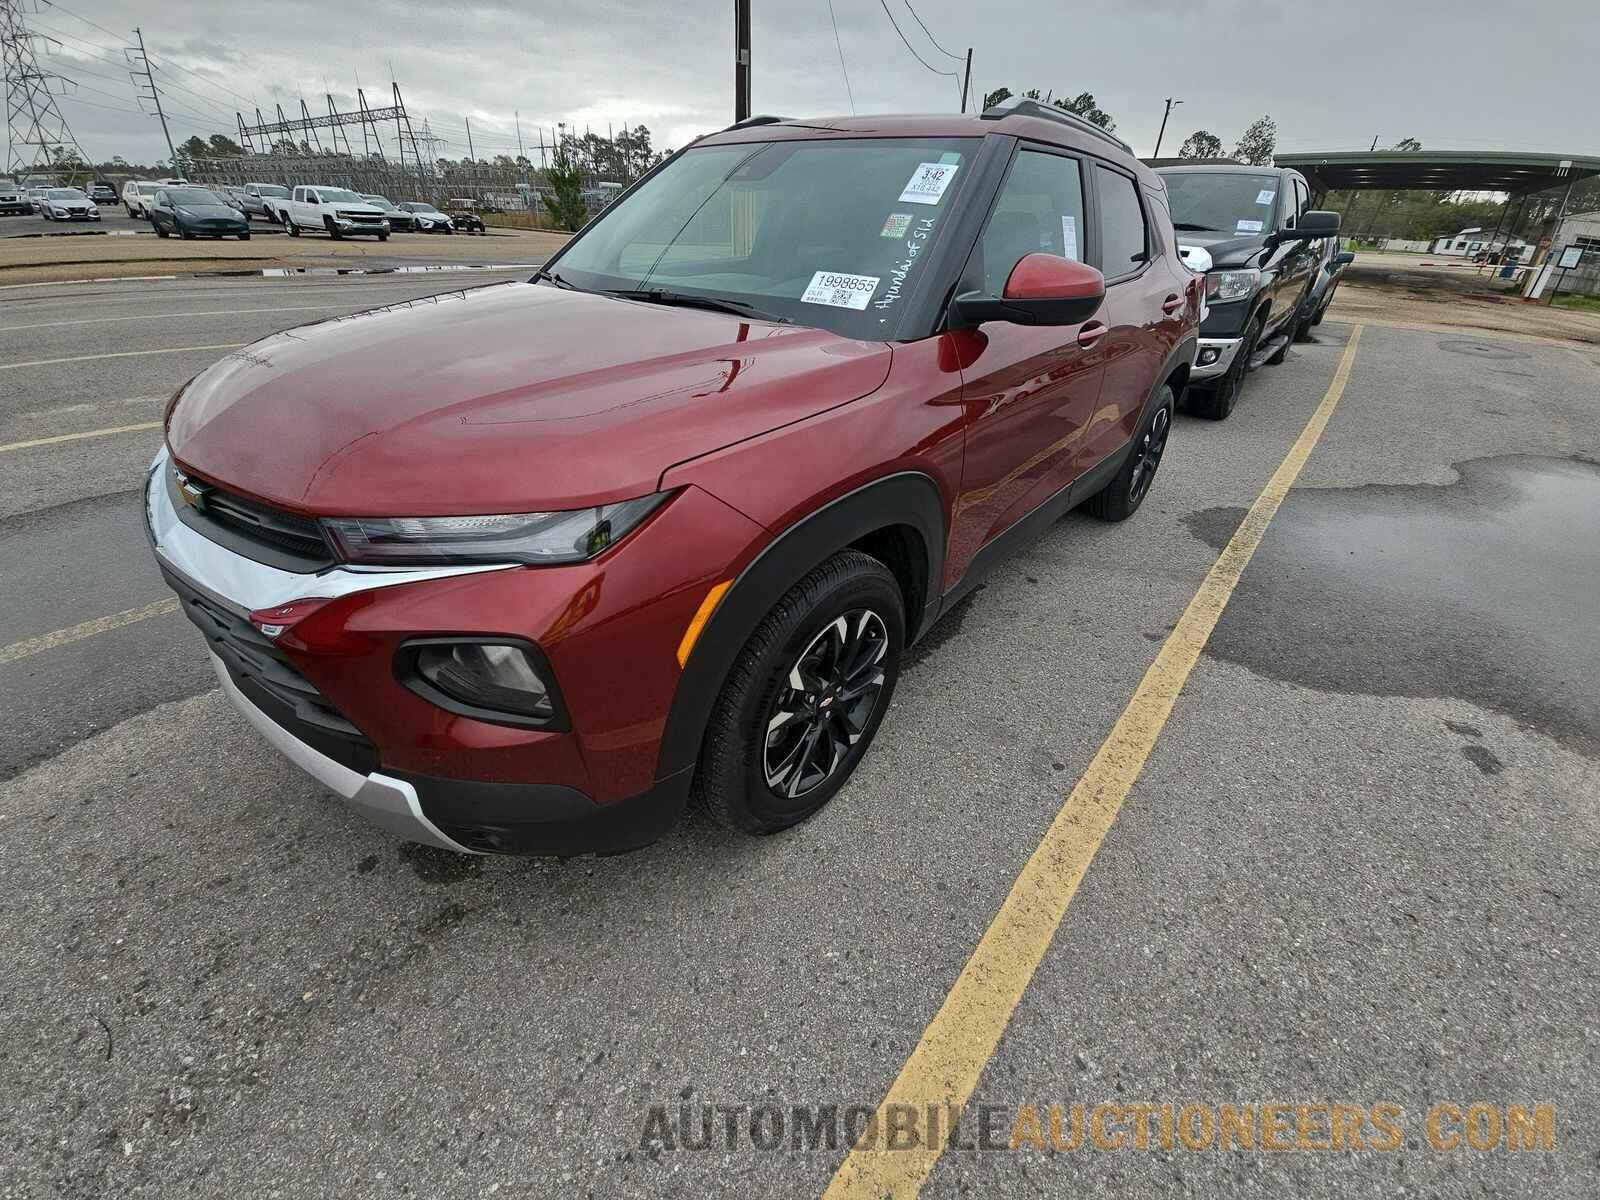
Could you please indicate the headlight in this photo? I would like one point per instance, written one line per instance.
(1222, 286)
(543, 537)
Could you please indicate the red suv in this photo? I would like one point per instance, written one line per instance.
(524, 568)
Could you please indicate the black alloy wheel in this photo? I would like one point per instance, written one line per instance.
(1147, 454)
(831, 694)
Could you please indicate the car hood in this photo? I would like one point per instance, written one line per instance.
(1226, 249)
(508, 398)
(208, 211)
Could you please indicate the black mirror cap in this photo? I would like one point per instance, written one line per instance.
(1344, 258)
(971, 309)
(1312, 226)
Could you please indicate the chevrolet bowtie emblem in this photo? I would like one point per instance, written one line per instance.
(191, 492)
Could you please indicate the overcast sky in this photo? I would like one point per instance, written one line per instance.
(1332, 75)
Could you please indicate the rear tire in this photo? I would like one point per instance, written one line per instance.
(1120, 498)
(774, 753)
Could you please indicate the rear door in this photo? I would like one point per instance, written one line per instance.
(1142, 311)
(1029, 391)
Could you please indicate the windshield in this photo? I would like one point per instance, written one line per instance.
(194, 196)
(830, 233)
(419, 207)
(378, 200)
(340, 196)
(1221, 201)
(271, 189)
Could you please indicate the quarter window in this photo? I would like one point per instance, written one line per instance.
(1040, 209)
(1122, 238)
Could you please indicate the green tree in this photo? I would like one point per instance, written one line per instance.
(1256, 144)
(564, 178)
(194, 148)
(220, 145)
(1409, 143)
(1084, 106)
(999, 96)
(1201, 144)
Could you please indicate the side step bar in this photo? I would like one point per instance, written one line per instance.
(1268, 348)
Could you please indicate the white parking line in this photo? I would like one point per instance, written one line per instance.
(49, 362)
(216, 312)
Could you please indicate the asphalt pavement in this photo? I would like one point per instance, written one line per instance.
(1358, 866)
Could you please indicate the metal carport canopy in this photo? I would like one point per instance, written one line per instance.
(1438, 170)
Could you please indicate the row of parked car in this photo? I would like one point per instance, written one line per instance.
(190, 210)
(55, 203)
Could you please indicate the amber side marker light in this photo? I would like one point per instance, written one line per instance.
(701, 616)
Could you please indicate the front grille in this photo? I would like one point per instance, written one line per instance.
(271, 682)
(270, 535)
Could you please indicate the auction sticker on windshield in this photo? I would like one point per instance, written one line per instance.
(1248, 227)
(928, 183)
(841, 291)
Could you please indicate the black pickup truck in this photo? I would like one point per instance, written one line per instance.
(1265, 244)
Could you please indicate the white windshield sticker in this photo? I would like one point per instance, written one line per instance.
(839, 290)
(1265, 196)
(1248, 227)
(928, 182)
(896, 225)
(1069, 236)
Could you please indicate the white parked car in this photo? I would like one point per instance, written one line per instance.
(425, 218)
(339, 212)
(68, 204)
(137, 194)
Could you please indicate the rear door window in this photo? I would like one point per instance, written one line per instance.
(1123, 248)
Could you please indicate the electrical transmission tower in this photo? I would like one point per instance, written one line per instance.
(37, 135)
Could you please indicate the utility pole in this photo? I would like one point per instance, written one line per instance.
(472, 155)
(966, 81)
(150, 81)
(517, 117)
(741, 59)
(1374, 145)
(1171, 104)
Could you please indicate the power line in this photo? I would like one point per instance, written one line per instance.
(843, 70)
(910, 47)
(936, 46)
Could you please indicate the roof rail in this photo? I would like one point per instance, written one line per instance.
(758, 119)
(1024, 106)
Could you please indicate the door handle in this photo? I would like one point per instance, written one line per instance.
(1171, 304)
(1092, 333)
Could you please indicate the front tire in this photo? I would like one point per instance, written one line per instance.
(289, 226)
(1120, 498)
(804, 698)
(245, 236)
(333, 230)
(1214, 403)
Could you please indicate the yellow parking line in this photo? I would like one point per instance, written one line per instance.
(50, 362)
(945, 1067)
(87, 629)
(74, 437)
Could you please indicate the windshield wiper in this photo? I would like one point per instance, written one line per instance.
(1188, 228)
(553, 277)
(690, 300)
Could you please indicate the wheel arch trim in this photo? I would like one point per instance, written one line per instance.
(904, 498)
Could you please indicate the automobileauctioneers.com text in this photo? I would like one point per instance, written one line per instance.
(1447, 1126)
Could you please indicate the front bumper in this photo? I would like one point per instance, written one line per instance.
(438, 777)
(89, 214)
(1213, 357)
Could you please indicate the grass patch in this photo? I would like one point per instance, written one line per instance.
(1578, 303)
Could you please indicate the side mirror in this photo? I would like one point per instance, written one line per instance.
(1343, 259)
(1312, 226)
(1042, 289)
